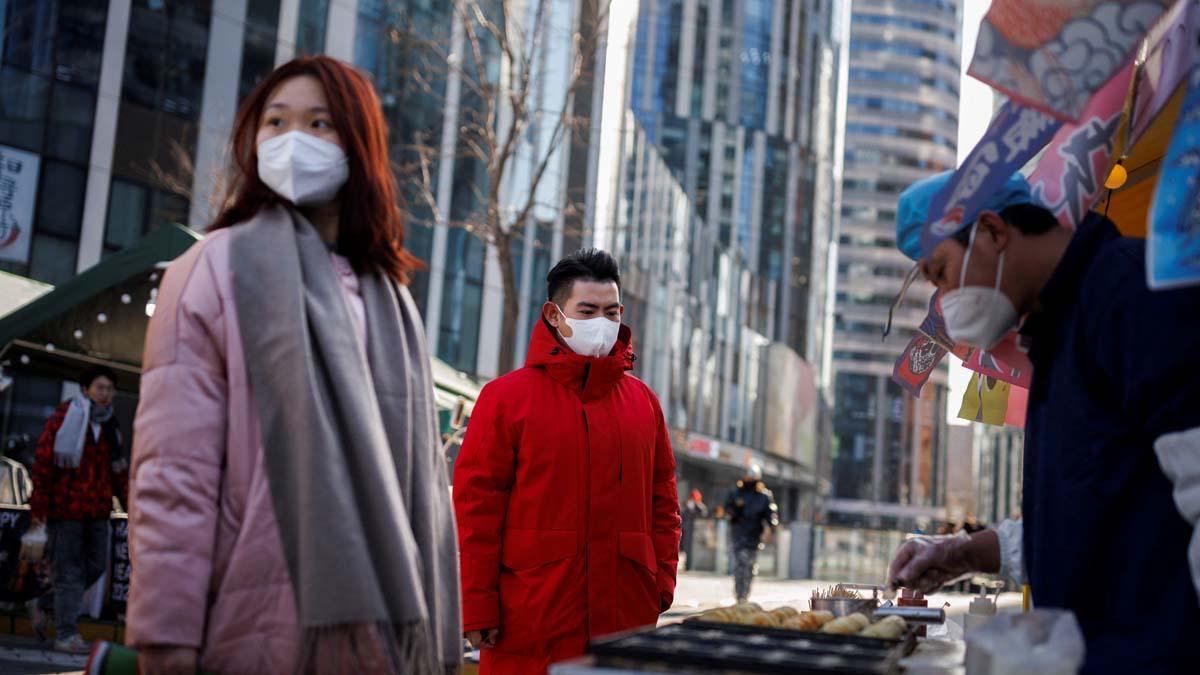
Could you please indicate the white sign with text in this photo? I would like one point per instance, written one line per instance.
(18, 193)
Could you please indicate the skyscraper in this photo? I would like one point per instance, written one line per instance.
(722, 222)
(901, 125)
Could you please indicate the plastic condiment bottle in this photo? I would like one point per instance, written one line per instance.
(982, 609)
(912, 598)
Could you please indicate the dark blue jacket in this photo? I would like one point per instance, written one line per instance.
(1115, 366)
(751, 508)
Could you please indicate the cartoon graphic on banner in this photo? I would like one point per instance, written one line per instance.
(1012, 139)
(1053, 55)
(1173, 246)
(1004, 362)
(920, 358)
(18, 190)
(1069, 177)
(986, 400)
(924, 352)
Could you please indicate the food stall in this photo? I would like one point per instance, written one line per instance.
(846, 628)
(1112, 143)
(100, 317)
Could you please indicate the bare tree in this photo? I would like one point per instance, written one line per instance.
(511, 120)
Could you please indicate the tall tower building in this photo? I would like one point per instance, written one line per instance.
(722, 222)
(889, 463)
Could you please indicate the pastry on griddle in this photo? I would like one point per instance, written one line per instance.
(722, 615)
(842, 626)
(761, 619)
(785, 612)
(890, 628)
(822, 617)
(860, 620)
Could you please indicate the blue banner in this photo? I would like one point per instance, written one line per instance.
(1173, 249)
(1015, 135)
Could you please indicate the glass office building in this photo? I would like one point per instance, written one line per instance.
(723, 222)
(704, 161)
(889, 466)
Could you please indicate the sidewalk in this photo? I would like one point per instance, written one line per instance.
(28, 656)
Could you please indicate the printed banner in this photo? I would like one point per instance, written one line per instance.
(1069, 177)
(920, 358)
(986, 400)
(1003, 362)
(1173, 249)
(1015, 135)
(1053, 55)
(1018, 404)
(921, 348)
(1171, 51)
(18, 193)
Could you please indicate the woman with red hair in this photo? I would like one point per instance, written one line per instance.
(289, 504)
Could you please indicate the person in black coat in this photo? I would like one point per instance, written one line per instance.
(751, 510)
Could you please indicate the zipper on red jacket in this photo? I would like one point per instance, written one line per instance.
(587, 497)
(587, 514)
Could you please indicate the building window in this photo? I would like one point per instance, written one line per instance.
(310, 33)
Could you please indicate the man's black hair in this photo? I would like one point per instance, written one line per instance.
(589, 264)
(1029, 219)
(95, 372)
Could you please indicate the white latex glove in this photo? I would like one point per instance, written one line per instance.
(927, 563)
(1179, 457)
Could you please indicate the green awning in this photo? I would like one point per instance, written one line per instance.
(98, 317)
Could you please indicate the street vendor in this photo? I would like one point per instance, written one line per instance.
(1115, 368)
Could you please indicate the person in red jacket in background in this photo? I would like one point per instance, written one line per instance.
(565, 486)
(79, 465)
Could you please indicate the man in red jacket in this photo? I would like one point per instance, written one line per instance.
(565, 487)
(79, 465)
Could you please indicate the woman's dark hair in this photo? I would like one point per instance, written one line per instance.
(590, 264)
(94, 373)
(370, 230)
(1030, 219)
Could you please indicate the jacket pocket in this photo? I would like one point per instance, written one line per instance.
(541, 589)
(638, 547)
(639, 600)
(524, 549)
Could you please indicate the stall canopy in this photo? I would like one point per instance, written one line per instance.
(100, 317)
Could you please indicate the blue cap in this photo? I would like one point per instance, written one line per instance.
(912, 211)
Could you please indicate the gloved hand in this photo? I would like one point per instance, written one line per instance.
(926, 564)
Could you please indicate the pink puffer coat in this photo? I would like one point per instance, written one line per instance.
(208, 565)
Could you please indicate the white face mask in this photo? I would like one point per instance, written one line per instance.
(976, 315)
(590, 337)
(302, 168)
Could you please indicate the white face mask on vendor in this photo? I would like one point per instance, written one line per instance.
(590, 337)
(976, 315)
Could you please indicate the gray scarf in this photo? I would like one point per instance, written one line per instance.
(68, 442)
(357, 480)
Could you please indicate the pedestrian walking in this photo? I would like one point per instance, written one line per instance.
(79, 465)
(752, 514)
(290, 508)
(693, 509)
(565, 486)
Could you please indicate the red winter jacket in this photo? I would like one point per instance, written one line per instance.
(84, 492)
(568, 519)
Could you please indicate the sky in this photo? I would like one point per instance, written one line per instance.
(973, 118)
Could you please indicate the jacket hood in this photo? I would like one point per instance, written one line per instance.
(589, 376)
